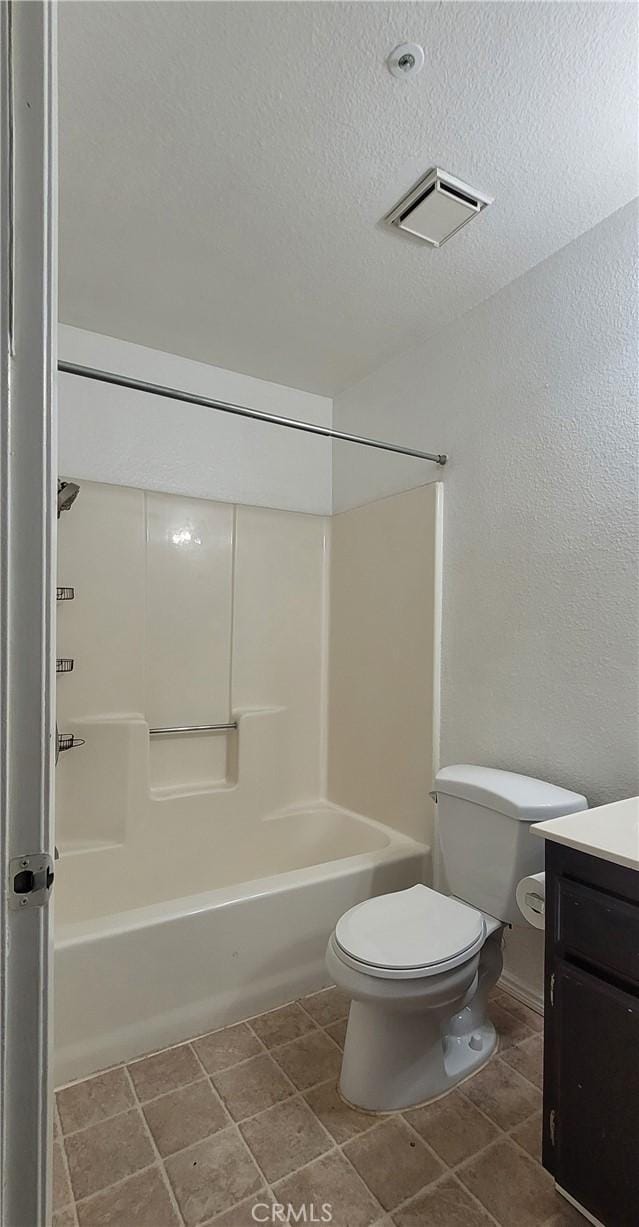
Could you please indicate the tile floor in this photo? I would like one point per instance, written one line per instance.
(201, 1133)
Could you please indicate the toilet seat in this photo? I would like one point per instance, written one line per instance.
(409, 934)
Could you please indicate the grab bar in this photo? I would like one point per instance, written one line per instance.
(231, 727)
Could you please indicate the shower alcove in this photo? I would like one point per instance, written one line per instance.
(201, 873)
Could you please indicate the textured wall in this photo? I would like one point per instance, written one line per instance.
(534, 395)
(126, 438)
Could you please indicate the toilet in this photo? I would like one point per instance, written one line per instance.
(419, 964)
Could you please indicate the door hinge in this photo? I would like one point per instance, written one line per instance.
(552, 1125)
(30, 880)
(552, 989)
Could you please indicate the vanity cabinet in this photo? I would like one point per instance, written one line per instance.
(591, 1033)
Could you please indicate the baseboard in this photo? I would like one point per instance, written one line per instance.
(586, 1213)
(522, 992)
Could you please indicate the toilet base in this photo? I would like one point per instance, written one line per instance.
(396, 1061)
(423, 1103)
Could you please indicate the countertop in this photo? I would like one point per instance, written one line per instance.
(609, 831)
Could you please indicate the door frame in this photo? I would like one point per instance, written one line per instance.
(28, 471)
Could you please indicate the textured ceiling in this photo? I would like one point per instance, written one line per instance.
(225, 166)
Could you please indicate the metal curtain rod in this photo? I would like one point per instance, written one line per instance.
(191, 398)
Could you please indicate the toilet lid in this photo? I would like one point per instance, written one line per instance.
(409, 929)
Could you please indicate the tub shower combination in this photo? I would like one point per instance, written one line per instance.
(218, 814)
(231, 944)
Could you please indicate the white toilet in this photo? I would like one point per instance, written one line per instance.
(419, 964)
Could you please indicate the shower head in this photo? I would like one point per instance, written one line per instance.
(67, 494)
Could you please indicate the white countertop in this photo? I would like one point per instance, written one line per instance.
(610, 832)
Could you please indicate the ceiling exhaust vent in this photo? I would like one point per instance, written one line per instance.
(437, 207)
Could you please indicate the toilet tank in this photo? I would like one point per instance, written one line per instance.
(483, 822)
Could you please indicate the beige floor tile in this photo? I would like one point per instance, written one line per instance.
(515, 1189)
(94, 1100)
(107, 1152)
(447, 1205)
(502, 1093)
(342, 1121)
(510, 1030)
(311, 1059)
(528, 1135)
(212, 1176)
(327, 1006)
(337, 1031)
(284, 1138)
(252, 1087)
(64, 1218)
(241, 1214)
(221, 1049)
(165, 1071)
(141, 1201)
(453, 1126)
(280, 1026)
(61, 1191)
(392, 1162)
(528, 1059)
(186, 1116)
(330, 1181)
(523, 1012)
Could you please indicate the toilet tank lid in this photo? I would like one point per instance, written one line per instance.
(518, 796)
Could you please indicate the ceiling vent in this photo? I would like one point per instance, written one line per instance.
(437, 207)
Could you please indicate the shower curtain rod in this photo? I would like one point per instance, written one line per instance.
(191, 398)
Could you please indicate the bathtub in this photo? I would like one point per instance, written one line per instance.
(166, 942)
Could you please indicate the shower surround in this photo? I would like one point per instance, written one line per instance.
(201, 874)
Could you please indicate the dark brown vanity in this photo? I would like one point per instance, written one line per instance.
(591, 1064)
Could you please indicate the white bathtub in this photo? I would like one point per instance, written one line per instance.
(154, 946)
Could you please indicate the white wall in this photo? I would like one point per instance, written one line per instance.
(113, 435)
(534, 395)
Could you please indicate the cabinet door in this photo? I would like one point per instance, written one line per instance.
(597, 1095)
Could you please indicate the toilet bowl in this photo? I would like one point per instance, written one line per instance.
(418, 966)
